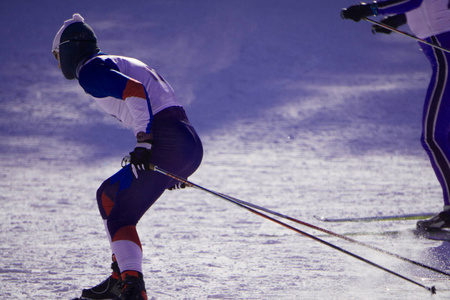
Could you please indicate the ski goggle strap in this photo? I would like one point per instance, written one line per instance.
(56, 49)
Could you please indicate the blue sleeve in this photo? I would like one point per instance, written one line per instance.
(101, 78)
(397, 6)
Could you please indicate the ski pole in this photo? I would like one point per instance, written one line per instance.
(191, 184)
(337, 235)
(221, 195)
(406, 34)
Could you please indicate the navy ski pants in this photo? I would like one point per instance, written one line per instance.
(123, 199)
(436, 114)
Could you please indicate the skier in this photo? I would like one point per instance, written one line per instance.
(142, 100)
(429, 20)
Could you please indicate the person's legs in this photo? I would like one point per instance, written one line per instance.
(133, 198)
(176, 147)
(123, 199)
(436, 125)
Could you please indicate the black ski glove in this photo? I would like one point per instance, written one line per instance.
(360, 11)
(393, 21)
(140, 157)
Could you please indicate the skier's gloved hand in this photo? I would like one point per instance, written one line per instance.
(393, 21)
(140, 157)
(360, 11)
(177, 186)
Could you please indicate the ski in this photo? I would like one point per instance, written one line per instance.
(435, 235)
(403, 217)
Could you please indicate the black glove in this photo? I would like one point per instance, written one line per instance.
(140, 157)
(360, 11)
(394, 22)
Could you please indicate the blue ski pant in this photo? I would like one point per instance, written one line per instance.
(122, 199)
(436, 113)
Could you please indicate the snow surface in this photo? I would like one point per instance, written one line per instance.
(299, 111)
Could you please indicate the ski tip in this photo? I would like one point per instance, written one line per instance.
(323, 219)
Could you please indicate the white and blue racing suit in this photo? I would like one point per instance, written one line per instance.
(140, 98)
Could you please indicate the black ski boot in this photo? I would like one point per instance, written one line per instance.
(107, 289)
(437, 222)
(133, 286)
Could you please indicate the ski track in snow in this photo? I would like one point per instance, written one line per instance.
(299, 112)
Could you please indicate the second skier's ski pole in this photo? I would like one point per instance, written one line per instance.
(406, 34)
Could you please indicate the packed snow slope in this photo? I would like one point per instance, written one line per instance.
(299, 111)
